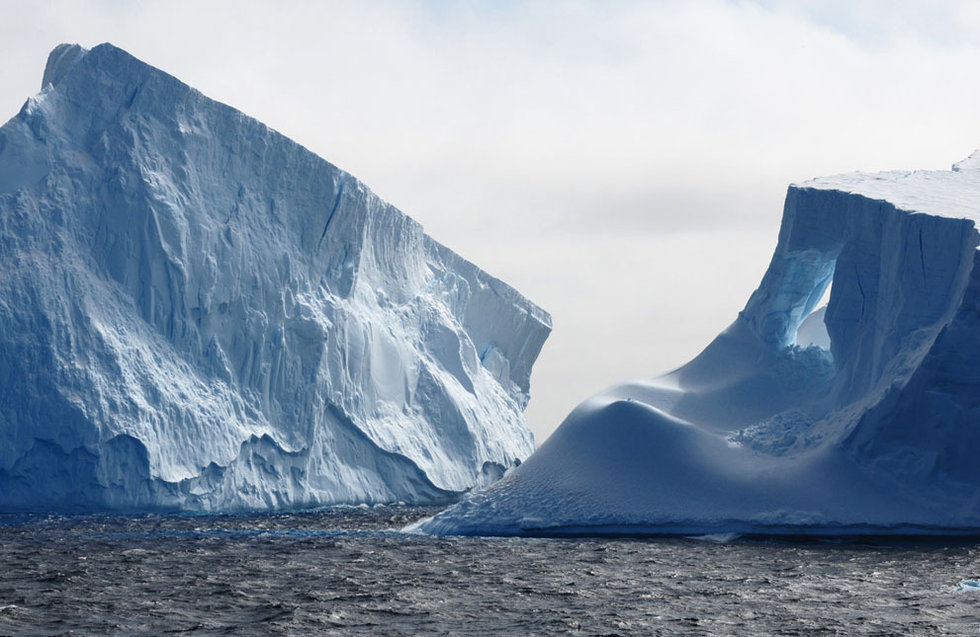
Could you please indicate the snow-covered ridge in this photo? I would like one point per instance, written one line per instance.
(875, 431)
(197, 312)
(944, 193)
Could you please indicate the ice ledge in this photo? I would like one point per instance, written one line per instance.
(942, 193)
(970, 163)
(60, 61)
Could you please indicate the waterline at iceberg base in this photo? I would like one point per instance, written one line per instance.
(860, 417)
(198, 313)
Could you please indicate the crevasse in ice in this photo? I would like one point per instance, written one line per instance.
(861, 416)
(198, 313)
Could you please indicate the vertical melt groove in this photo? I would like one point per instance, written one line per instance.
(333, 210)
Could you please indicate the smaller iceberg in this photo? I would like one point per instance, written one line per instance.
(850, 413)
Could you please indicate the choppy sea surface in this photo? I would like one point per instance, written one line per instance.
(350, 571)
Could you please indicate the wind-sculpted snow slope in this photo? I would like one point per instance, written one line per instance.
(877, 431)
(198, 313)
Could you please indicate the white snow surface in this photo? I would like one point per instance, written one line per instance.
(198, 313)
(861, 417)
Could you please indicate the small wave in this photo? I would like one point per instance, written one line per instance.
(717, 538)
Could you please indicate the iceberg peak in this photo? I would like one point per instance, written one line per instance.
(971, 163)
(60, 61)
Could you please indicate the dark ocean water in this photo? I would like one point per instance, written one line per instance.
(349, 571)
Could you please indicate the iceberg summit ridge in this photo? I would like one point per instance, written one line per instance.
(861, 416)
(198, 313)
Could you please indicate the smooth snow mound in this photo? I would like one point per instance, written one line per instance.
(198, 313)
(861, 417)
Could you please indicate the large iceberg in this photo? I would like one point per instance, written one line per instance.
(858, 417)
(198, 313)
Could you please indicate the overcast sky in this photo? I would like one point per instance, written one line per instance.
(623, 164)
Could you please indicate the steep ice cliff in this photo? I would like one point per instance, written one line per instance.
(198, 313)
(861, 416)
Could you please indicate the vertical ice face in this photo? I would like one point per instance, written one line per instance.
(862, 416)
(196, 312)
(896, 276)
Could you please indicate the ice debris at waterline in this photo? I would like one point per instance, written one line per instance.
(859, 417)
(198, 313)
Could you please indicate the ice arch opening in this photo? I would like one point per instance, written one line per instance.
(798, 286)
(812, 331)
